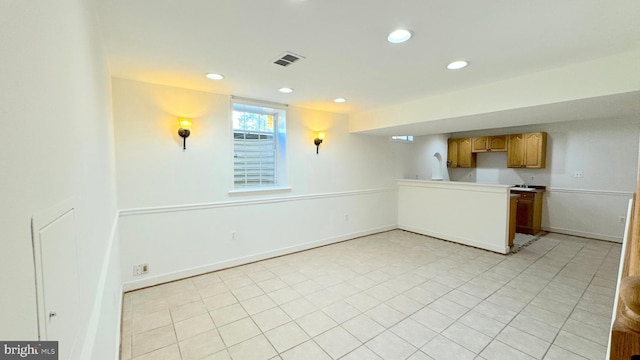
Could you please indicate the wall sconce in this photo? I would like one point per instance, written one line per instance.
(184, 131)
(318, 141)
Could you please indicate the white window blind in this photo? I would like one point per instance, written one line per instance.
(254, 146)
(254, 159)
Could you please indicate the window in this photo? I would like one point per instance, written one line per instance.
(403, 138)
(258, 146)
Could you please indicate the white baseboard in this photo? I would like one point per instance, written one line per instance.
(585, 234)
(119, 325)
(177, 275)
(491, 247)
(199, 270)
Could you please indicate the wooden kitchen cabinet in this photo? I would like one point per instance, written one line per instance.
(529, 212)
(527, 150)
(466, 158)
(489, 143)
(515, 152)
(513, 207)
(452, 153)
(498, 143)
(459, 153)
(479, 144)
(535, 150)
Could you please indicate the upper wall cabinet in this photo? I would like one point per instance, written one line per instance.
(459, 153)
(527, 150)
(489, 143)
(452, 153)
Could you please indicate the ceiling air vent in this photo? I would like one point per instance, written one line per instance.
(287, 59)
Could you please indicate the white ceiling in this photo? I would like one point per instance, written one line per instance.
(626, 105)
(176, 43)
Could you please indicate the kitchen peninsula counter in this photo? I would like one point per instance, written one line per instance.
(467, 213)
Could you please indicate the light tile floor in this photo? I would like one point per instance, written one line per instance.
(393, 295)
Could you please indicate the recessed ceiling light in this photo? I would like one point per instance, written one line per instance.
(399, 36)
(457, 65)
(213, 76)
(340, 100)
(286, 90)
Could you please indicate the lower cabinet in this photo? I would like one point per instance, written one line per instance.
(529, 212)
(513, 207)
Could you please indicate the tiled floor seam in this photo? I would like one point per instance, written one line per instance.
(538, 257)
(175, 333)
(262, 332)
(574, 307)
(517, 313)
(364, 313)
(494, 292)
(486, 298)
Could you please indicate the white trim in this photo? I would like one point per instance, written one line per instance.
(585, 234)
(96, 312)
(259, 103)
(221, 204)
(39, 221)
(464, 241)
(259, 190)
(118, 334)
(591, 192)
(46, 217)
(176, 275)
(457, 185)
(616, 298)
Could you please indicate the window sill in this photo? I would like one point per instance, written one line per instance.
(260, 190)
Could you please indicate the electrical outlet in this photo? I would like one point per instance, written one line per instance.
(233, 235)
(578, 174)
(346, 217)
(621, 219)
(140, 269)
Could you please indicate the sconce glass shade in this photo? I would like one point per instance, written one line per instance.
(185, 123)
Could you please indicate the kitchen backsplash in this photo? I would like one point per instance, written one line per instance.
(492, 168)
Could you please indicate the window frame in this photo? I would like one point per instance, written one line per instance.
(280, 113)
(408, 139)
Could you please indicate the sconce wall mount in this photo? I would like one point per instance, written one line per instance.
(318, 140)
(184, 131)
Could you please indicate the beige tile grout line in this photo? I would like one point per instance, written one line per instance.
(382, 302)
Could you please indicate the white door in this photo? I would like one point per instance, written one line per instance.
(57, 278)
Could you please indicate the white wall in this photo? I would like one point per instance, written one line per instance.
(456, 211)
(419, 162)
(178, 215)
(57, 145)
(605, 151)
